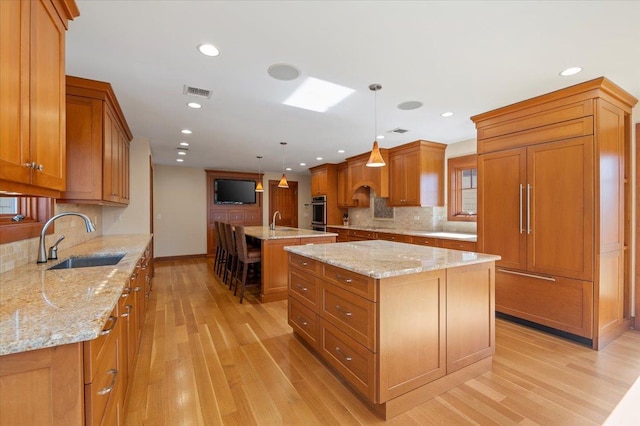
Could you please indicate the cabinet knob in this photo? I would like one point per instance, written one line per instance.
(31, 165)
(39, 167)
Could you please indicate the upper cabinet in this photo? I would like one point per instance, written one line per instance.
(324, 181)
(97, 145)
(417, 174)
(347, 198)
(320, 180)
(376, 178)
(32, 110)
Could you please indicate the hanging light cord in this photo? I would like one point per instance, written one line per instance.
(375, 114)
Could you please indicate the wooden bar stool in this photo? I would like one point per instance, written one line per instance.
(232, 254)
(220, 235)
(246, 257)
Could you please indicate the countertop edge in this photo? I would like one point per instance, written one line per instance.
(409, 232)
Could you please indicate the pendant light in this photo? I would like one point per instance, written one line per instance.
(259, 187)
(283, 181)
(375, 159)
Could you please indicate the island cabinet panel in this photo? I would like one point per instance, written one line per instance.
(304, 287)
(42, 387)
(350, 281)
(274, 275)
(468, 295)
(412, 325)
(305, 322)
(552, 203)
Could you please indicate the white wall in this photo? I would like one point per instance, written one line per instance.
(458, 149)
(180, 201)
(135, 218)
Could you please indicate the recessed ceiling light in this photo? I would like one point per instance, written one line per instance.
(179, 160)
(182, 153)
(284, 72)
(446, 114)
(303, 164)
(409, 105)
(317, 95)
(208, 49)
(570, 71)
(341, 151)
(380, 137)
(184, 143)
(319, 158)
(194, 105)
(186, 131)
(288, 169)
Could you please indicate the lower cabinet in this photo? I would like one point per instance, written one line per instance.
(395, 340)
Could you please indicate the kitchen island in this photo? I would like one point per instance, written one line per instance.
(273, 284)
(400, 323)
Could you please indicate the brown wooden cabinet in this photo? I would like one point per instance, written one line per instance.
(98, 140)
(32, 116)
(361, 176)
(347, 198)
(551, 202)
(324, 181)
(395, 361)
(320, 180)
(417, 174)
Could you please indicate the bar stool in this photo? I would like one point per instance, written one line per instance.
(246, 257)
(218, 255)
(232, 254)
(220, 235)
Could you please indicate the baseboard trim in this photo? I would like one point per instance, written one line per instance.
(183, 257)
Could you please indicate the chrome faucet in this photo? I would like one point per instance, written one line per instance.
(42, 253)
(273, 223)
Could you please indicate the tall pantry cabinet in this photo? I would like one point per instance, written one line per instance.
(552, 184)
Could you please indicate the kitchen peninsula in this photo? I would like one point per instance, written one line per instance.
(400, 323)
(274, 258)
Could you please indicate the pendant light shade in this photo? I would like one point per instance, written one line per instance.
(259, 187)
(283, 180)
(375, 159)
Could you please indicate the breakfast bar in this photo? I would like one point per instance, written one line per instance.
(274, 259)
(400, 323)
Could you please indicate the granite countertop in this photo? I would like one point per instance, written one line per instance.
(40, 308)
(282, 232)
(461, 236)
(383, 259)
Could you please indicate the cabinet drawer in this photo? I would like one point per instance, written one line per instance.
(398, 238)
(352, 314)
(535, 117)
(304, 322)
(304, 287)
(354, 362)
(94, 349)
(563, 304)
(253, 217)
(350, 281)
(103, 387)
(459, 245)
(305, 264)
(426, 241)
(236, 216)
(359, 233)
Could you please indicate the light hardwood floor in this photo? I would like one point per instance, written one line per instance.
(207, 360)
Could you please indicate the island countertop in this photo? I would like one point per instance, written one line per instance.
(382, 259)
(283, 232)
(41, 308)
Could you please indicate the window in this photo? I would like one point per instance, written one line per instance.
(463, 188)
(36, 211)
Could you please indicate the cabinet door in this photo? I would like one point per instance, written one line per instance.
(319, 182)
(14, 85)
(344, 200)
(560, 235)
(501, 218)
(47, 100)
(397, 183)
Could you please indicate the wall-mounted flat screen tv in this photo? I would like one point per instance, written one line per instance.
(234, 191)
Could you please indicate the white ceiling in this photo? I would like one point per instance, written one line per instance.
(462, 56)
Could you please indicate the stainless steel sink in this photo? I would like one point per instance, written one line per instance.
(88, 261)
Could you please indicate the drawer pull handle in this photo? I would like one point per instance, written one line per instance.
(345, 313)
(301, 287)
(347, 358)
(341, 278)
(113, 382)
(301, 320)
(126, 292)
(110, 329)
(134, 276)
(540, 277)
(137, 289)
(126, 314)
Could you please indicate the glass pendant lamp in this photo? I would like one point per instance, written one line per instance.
(375, 159)
(259, 187)
(283, 180)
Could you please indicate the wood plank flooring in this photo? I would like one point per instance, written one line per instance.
(207, 360)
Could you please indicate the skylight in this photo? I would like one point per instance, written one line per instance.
(317, 95)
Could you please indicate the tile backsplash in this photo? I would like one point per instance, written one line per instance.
(22, 252)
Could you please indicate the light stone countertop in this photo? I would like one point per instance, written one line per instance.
(282, 232)
(40, 308)
(460, 236)
(383, 259)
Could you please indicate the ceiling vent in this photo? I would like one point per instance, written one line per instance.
(196, 91)
(180, 148)
(398, 131)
